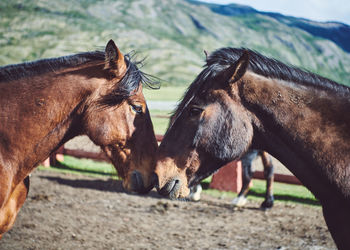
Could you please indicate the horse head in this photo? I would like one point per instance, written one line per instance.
(117, 118)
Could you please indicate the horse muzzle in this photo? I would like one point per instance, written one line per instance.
(171, 189)
(137, 183)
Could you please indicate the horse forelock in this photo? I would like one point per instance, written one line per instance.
(130, 82)
(200, 84)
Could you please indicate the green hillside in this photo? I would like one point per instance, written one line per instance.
(171, 34)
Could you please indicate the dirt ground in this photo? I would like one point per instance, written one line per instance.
(80, 212)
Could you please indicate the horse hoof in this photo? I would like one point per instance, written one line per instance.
(264, 209)
(195, 194)
(239, 201)
(266, 205)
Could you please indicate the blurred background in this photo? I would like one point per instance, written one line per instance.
(172, 34)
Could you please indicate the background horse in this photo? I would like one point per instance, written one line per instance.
(247, 175)
(242, 99)
(45, 103)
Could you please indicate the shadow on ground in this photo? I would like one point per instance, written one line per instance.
(106, 185)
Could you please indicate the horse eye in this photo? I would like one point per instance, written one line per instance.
(195, 111)
(137, 108)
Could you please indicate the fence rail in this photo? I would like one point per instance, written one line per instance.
(233, 183)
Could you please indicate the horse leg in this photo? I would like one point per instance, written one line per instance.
(337, 217)
(9, 211)
(268, 174)
(247, 174)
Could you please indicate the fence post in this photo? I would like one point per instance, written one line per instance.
(228, 178)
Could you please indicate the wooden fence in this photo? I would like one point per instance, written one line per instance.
(228, 178)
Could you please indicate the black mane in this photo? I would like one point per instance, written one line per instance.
(34, 68)
(123, 89)
(222, 58)
(268, 67)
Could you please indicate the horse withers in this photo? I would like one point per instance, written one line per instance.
(45, 103)
(244, 100)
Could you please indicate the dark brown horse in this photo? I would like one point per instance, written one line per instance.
(242, 99)
(45, 103)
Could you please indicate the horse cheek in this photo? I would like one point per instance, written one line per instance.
(242, 135)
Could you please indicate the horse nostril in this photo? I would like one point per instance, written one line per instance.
(155, 180)
(174, 192)
(171, 188)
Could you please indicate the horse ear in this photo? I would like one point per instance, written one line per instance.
(237, 70)
(114, 59)
(206, 54)
(240, 66)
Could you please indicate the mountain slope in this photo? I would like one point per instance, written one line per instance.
(337, 32)
(171, 34)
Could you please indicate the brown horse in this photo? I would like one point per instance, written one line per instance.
(45, 103)
(242, 99)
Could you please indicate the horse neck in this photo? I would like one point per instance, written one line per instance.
(303, 126)
(42, 113)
